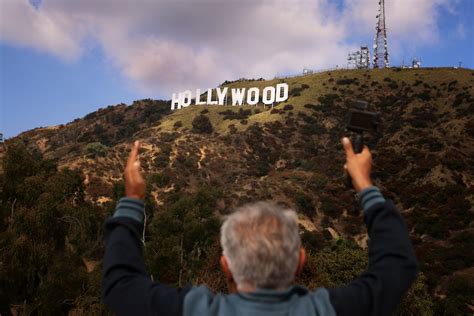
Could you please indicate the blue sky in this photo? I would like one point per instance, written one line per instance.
(39, 90)
(60, 60)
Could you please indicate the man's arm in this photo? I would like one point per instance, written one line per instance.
(392, 263)
(126, 287)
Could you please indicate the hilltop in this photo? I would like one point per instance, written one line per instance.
(291, 153)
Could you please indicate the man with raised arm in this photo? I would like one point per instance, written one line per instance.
(261, 255)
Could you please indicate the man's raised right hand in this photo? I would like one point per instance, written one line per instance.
(358, 165)
(135, 185)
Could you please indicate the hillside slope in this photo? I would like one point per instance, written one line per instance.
(423, 158)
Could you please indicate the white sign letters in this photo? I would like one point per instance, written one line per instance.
(239, 96)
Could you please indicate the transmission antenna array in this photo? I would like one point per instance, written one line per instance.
(380, 43)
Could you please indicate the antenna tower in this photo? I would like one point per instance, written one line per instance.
(380, 43)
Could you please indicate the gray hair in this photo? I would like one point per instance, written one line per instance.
(261, 243)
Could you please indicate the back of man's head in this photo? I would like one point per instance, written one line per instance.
(261, 244)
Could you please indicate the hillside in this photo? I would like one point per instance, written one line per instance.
(423, 159)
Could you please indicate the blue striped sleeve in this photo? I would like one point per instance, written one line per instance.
(370, 196)
(131, 208)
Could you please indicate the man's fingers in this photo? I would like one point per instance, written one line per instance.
(366, 151)
(133, 154)
(136, 171)
(347, 147)
(132, 171)
(134, 183)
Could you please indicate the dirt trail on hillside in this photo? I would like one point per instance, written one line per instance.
(202, 150)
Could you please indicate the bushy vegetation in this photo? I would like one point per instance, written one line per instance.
(177, 124)
(304, 204)
(460, 293)
(202, 124)
(296, 91)
(346, 81)
(342, 261)
(288, 107)
(96, 150)
(329, 99)
(181, 237)
(241, 114)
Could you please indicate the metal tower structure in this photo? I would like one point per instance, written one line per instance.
(359, 59)
(380, 43)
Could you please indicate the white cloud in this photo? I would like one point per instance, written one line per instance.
(200, 44)
(164, 45)
(51, 32)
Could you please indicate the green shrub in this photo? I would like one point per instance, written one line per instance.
(335, 265)
(114, 118)
(177, 124)
(345, 81)
(96, 150)
(417, 83)
(296, 91)
(241, 114)
(312, 240)
(393, 85)
(459, 295)
(330, 209)
(424, 96)
(305, 204)
(311, 106)
(202, 124)
(417, 300)
(160, 179)
(329, 99)
(127, 130)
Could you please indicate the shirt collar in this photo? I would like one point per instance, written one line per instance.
(267, 295)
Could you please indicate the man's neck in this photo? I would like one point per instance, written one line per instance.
(246, 288)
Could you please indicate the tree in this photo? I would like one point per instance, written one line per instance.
(18, 164)
(181, 237)
(48, 228)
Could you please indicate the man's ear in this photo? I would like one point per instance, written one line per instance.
(228, 274)
(301, 261)
(225, 268)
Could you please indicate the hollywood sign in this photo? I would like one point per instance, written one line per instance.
(239, 96)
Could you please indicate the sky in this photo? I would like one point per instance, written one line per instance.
(62, 59)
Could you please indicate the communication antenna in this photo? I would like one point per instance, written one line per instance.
(416, 63)
(307, 71)
(380, 43)
(359, 59)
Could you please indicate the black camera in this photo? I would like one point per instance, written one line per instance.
(360, 121)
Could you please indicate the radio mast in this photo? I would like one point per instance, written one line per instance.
(380, 43)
